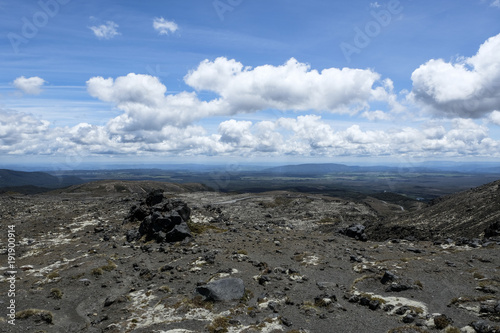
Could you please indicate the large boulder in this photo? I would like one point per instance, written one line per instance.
(223, 290)
(493, 230)
(356, 231)
(162, 219)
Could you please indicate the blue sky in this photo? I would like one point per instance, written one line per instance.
(249, 81)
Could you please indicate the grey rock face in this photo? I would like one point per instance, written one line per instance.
(223, 290)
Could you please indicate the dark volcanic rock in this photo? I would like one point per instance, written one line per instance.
(493, 230)
(482, 326)
(133, 235)
(163, 220)
(398, 287)
(223, 290)
(356, 231)
(388, 277)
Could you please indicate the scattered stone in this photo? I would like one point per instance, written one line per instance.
(482, 326)
(324, 285)
(324, 300)
(286, 322)
(223, 290)
(450, 264)
(388, 277)
(133, 235)
(398, 287)
(409, 318)
(374, 304)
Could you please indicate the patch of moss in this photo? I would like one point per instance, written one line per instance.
(219, 325)
(322, 302)
(408, 329)
(39, 315)
(452, 329)
(466, 299)
(372, 298)
(109, 267)
(165, 289)
(419, 284)
(53, 275)
(416, 309)
(247, 296)
(56, 293)
(362, 278)
(193, 303)
(200, 228)
(327, 220)
(441, 322)
(308, 305)
(97, 271)
(488, 283)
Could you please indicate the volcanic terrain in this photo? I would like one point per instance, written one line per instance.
(98, 258)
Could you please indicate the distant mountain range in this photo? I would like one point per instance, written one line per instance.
(327, 168)
(32, 182)
(35, 182)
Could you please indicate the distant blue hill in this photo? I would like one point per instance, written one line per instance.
(13, 179)
(326, 168)
(329, 168)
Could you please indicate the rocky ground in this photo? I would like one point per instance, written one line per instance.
(268, 262)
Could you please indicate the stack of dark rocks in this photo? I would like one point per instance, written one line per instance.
(161, 219)
(356, 231)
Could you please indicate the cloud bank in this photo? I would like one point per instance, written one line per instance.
(154, 122)
(289, 87)
(467, 88)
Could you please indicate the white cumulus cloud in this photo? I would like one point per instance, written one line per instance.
(31, 85)
(376, 115)
(290, 87)
(105, 31)
(146, 106)
(20, 132)
(495, 117)
(164, 27)
(469, 88)
(293, 86)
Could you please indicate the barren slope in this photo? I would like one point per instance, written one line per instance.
(465, 214)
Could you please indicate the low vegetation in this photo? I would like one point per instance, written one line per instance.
(37, 314)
